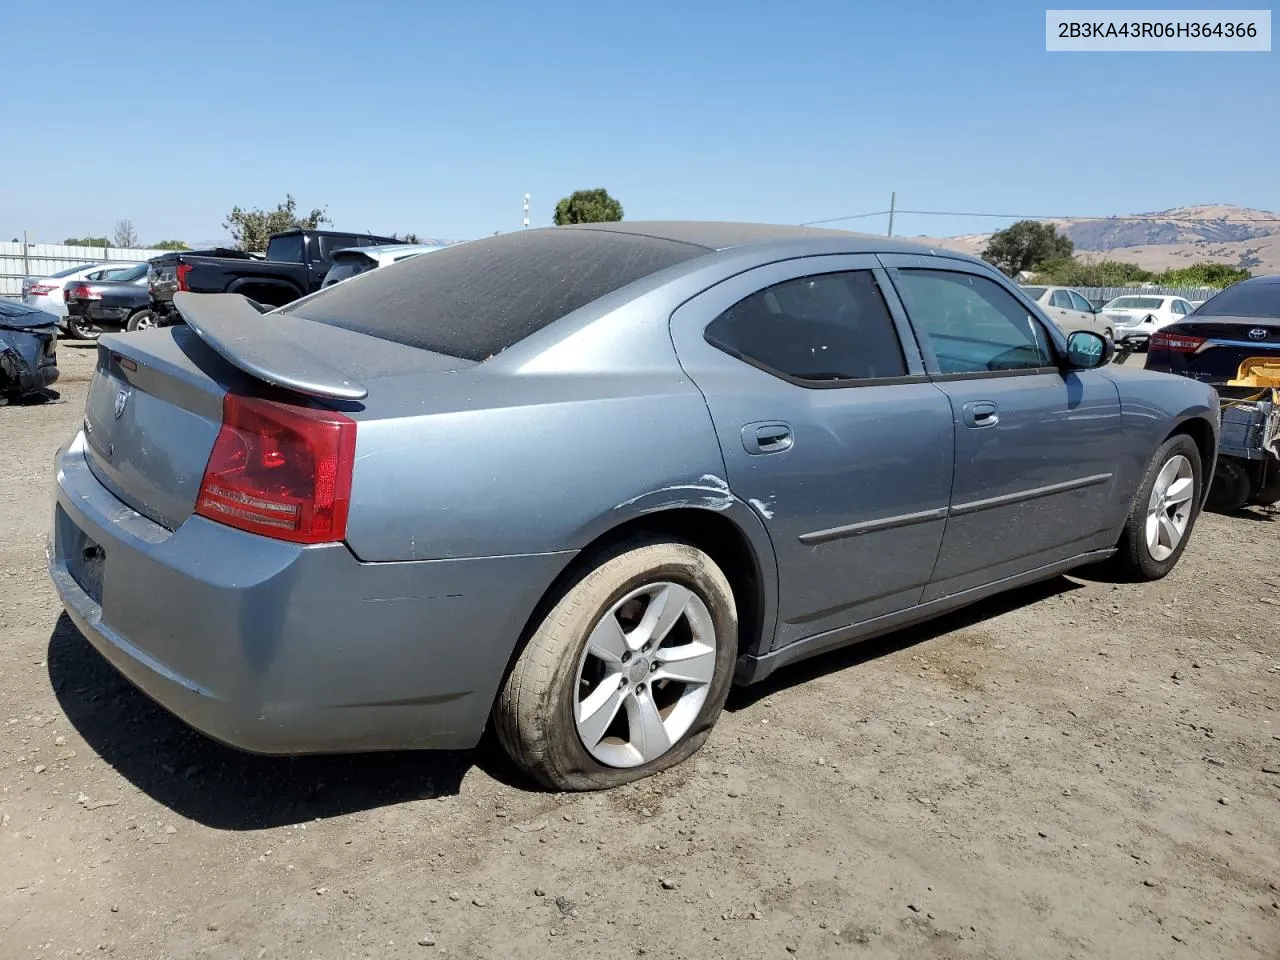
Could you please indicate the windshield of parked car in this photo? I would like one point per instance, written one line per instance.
(69, 271)
(1135, 303)
(1244, 300)
(1035, 293)
(473, 300)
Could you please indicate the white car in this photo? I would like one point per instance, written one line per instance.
(46, 293)
(1069, 310)
(1135, 317)
(353, 261)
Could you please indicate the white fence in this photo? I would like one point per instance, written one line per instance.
(19, 260)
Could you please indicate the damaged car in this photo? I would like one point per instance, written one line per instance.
(571, 484)
(28, 351)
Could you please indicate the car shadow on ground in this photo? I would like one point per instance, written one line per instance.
(845, 657)
(220, 787)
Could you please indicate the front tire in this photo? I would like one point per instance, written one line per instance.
(628, 671)
(1163, 514)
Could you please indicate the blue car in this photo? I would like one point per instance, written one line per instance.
(576, 482)
(28, 350)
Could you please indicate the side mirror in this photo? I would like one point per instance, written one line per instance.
(1087, 350)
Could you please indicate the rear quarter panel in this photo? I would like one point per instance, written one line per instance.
(1153, 405)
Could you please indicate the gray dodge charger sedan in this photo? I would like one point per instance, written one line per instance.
(576, 482)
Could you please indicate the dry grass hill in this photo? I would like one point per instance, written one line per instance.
(1212, 233)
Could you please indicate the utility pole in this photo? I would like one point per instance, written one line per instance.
(526, 210)
(26, 257)
(893, 202)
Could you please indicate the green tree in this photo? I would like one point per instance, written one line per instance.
(588, 206)
(169, 245)
(1204, 275)
(1026, 245)
(86, 242)
(1099, 273)
(252, 228)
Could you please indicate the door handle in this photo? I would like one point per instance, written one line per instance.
(772, 437)
(981, 413)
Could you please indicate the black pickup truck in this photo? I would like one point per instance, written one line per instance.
(295, 265)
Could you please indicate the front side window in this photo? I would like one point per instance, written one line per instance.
(829, 327)
(1080, 303)
(972, 324)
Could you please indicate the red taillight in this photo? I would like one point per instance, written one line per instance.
(280, 470)
(82, 291)
(183, 270)
(1175, 342)
(40, 289)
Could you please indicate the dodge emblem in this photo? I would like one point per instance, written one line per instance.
(1258, 333)
(122, 398)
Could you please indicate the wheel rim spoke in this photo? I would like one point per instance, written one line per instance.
(648, 733)
(1170, 532)
(1179, 491)
(607, 641)
(597, 711)
(687, 663)
(666, 606)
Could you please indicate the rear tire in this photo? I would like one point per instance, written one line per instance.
(566, 690)
(1163, 514)
(83, 329)
(142, 319)
(1230, 488)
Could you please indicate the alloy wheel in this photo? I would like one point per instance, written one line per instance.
(644, 674)
(1169, 508)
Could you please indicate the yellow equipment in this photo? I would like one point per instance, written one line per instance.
(1257, 372)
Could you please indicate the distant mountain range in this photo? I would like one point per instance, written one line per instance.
(1212, 233)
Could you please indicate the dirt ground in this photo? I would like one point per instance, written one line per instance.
(1075, 770)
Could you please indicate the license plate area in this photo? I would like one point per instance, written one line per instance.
(86, 560)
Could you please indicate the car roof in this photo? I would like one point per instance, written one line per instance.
(715, 235)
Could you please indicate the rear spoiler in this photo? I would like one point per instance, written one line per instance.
(272, 348)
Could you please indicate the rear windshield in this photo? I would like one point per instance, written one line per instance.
(473, 300)
(1135, 303)
(132, 273)
(1244, 300)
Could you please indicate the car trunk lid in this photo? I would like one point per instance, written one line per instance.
(153, 412)
(156, 400)
(1225, 342)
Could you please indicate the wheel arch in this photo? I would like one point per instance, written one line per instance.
(1202, 434)
(733, 537)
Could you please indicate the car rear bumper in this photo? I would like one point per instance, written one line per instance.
(283, 649)
(93, 310)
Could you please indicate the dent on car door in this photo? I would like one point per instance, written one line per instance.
(1036, 445)
(830, 429)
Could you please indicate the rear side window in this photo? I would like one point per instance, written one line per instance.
(1244, 300)
(972, 324)
(1061, 299)
(285, 249)
(834, 326)
(473, 300)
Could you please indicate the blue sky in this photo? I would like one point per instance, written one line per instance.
(437, 117)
